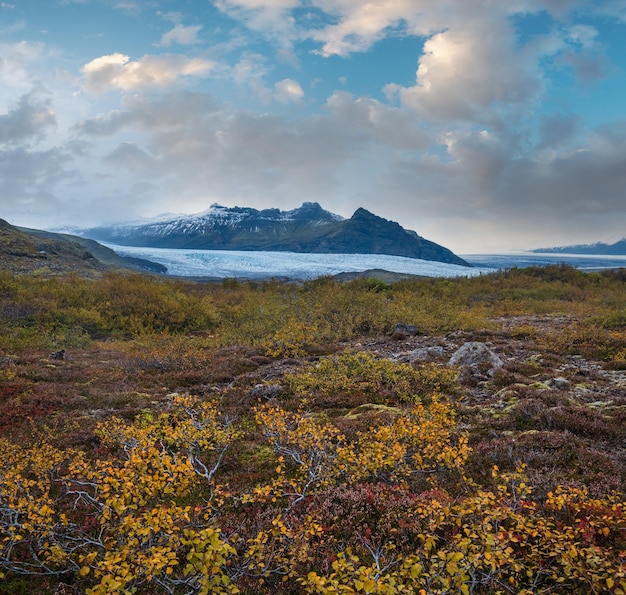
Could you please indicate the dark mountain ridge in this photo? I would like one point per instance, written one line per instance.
(308, 228)
(600, 248)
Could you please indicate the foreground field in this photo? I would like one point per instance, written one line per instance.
(161, 437)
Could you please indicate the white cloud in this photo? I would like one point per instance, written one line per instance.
(117, 71)
(133, 158)
(360, 24)
(288, 91)
(557, 131)
(16, 60)
(28, 180)
(585, 35)
(18, 65)
(466, 72)
(454, 185)
(251, 72)
(272, 18)
(129, 6)
(13, 28)
(181, 35)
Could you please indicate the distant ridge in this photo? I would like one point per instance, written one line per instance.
(599, 248)
(308, 228)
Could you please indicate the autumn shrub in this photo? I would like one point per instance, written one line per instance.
(291, 340)
(617, 361)
(582, 421)
(579, 339)
(123, 521)
(355, 378)
(373, 520)
(496, 541)
(524, 332)
(553, 458)
(150, 512)
(414, 444)
(158, 353)
(346, 311)
(45, 312)
(134, 304)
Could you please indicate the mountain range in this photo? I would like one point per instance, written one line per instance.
(308, 228)
(599, 248)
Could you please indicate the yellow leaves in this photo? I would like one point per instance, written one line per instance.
(131, 518)
(422, 439)
(291, 340)
(366, 585)
(610, 583)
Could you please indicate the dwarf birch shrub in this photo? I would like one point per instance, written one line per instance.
(417, 441)
(124, 523)
(338, 514)
(373, 378)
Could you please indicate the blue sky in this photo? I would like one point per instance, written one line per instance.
(481, 124)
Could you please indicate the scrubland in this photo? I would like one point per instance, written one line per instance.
(282, 438)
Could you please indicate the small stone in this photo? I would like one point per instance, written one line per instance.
(559, 382)
(265, 391)
(401, 331)
(58, 355)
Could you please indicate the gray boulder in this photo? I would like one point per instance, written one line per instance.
(426, 353)
(402, 331)
(477, 356)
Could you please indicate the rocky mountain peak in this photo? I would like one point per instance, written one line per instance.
(308, 228)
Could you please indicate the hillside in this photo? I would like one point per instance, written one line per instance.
(34, 252)
(308, 228)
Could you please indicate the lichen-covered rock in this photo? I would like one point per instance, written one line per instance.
(476, 355)
(559, 382)
(426, 353)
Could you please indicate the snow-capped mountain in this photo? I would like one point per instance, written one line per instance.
(308, 228)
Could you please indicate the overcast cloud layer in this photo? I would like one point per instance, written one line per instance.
(481, 124)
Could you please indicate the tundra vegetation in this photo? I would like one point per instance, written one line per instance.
(279, 438)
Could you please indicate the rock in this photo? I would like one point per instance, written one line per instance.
(402, 331)
(425, 353)
(478, 356)
(58, 354)
(559, 382)
(265, 392)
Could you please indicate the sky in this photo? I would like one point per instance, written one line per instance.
(483, 125)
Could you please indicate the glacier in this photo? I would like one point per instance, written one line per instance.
(293, 265)
(220, 264)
